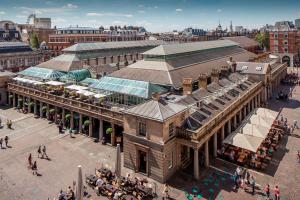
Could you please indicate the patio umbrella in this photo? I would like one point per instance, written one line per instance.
(79, 188)
(118, 163)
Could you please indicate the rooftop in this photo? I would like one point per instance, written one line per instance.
(64, 62)
(11, 47)
(243, 41)
(111, 45)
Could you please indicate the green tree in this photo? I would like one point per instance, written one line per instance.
(34, 41)
(263, 39)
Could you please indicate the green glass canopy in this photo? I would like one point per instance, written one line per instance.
(76, 75)
(41, 73)
(129, 87)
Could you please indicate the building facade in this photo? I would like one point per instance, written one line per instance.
(285, 42)
(66, 37)
(9, 32)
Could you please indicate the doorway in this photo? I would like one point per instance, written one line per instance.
(142, 161)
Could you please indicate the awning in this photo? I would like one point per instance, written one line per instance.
(76, 87)
(85, 92)
(243, 141)
(263, 112)
(55, 83)
(29, 81)
(98, 96)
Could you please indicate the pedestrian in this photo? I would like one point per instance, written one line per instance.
(267, 191)
(39, 151)
(252, 181)
(44, 152)
(6, 140)
(166, 191)
(30, 160)
(285, 120)
(281, 118)
(276, 192)
(291, 92)
(298, 156)
(295, 124)
(247, 174)
(236, 180)
(34, 168)
(1, 141)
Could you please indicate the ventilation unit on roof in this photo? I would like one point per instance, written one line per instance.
(258, 68)
(200, 104)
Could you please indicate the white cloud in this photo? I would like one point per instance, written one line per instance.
(219, 10)
(2, 13)
(143, 23)
(119, 23)
(71, 6)
(141, 6)
(155, 7)
(178, 10)
(110, 15)
(21, 16)
(58, 20)
(141, 11)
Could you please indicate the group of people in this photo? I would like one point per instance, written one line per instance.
(41, 153)
(289, 128)
(276, 192)
(5, 140)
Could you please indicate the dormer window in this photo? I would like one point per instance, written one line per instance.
(142, 128)
(244, 68)
(171, 129)
(258, 68)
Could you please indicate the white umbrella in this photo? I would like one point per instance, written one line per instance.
(79, 188)
(118, 162)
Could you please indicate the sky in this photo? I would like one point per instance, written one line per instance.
(154, 15)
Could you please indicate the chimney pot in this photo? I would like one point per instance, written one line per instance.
(202, 82)
(156, 96)
(215, 75)
(187, 86)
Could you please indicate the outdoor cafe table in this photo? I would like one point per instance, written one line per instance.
(110, 188)
(144, 189)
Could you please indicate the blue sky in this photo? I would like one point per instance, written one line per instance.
(154, 15)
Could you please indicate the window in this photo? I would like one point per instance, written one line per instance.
(170, 160)
(171, 129)
(142, 128)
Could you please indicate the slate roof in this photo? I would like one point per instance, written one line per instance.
(64, 62)
(243, 41)
(14, 47)
(159, 110)
(177, 48)
(112, 45)
(252, 67)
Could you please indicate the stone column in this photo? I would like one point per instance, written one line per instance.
(63, 113)
(100, 129)
(14, 100)
(47, 112)
(35, 107)
(215, 144)
(259, 96)
(235, 121)
(91, 127)
(196, 164)
(245, 112)
(28, 105)
(206, 154)
(240, 116)
(223, 133)
(24, 102)
(80, 123)
(72, 120)
(55, 115)
(113, 135)
(41, 109)
(229, 126)
(9, 99)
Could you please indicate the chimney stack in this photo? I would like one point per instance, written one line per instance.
(215, 75)
(156, 96)
(234, 67)
(202, 81)
(225, 71)
(187, 86)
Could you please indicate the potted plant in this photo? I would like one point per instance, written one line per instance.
(101, 101)
(44, 108)
(52, 111)
(109, 131)
(66, 93)
(82, 97)
(68, 117)
(31, 104)
(11, 96)
(86, 123)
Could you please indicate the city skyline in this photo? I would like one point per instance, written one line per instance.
(155, 16)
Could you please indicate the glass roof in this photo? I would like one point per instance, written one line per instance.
(129, 87)
(76, 75)
(88, 81)
(41, 73)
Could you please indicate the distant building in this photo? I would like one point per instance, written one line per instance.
(66, 37)
(297, 23)
(44, 23)
(17, 56)
(8, 31)
(194, 32)
(284, 42)
(5, 77)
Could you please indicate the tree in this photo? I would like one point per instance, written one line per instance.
(263, 39)
(34, 41)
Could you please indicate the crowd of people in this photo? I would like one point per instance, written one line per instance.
(41, 153)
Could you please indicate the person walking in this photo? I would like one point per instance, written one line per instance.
(267, 191)
(298, 156)
(6, 140)
(295, 124)
(166, 191)
(276, 192)
(44, 152)
(30, 160)
(252, 181)
(39, 151)
(34, 168)
(247, 175)
(1, 141)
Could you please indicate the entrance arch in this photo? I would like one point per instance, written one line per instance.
(286, 59)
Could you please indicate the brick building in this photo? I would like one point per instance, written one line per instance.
(285, 42)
